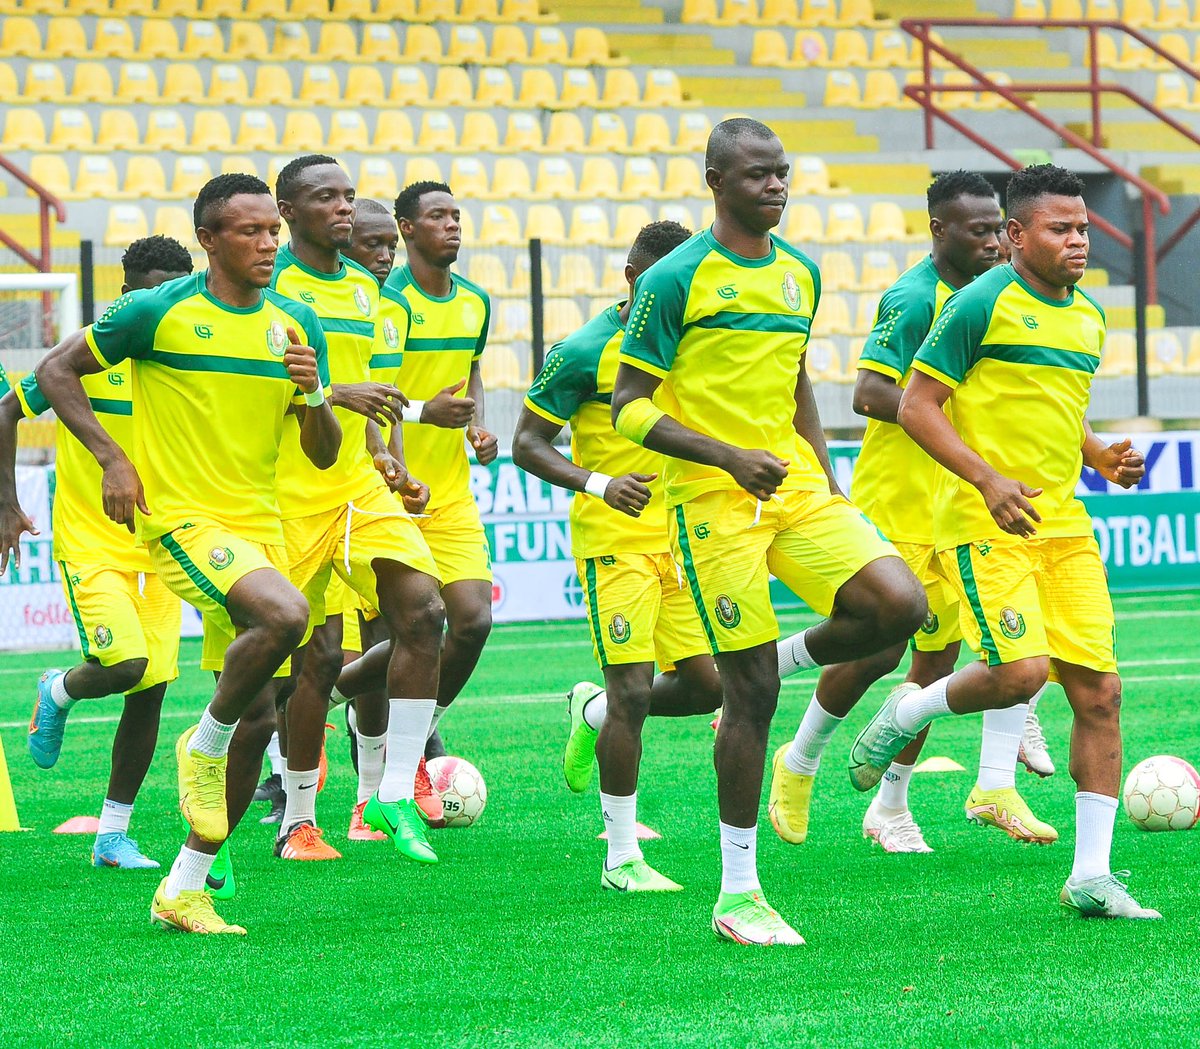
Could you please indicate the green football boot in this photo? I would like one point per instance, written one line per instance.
(401, 821)
(747, 918)
(636, 876)
(580, 755)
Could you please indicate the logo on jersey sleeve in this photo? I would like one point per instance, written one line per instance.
(728, 613)
(619, 630)
(277, 339)
(391, 334)
(361, 301)
(791, 291)
(1012, 623)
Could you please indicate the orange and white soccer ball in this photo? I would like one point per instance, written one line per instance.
(1163, 793)
(461, 787)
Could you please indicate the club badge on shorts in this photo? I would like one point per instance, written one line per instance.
(1012, 623)
(618, 629)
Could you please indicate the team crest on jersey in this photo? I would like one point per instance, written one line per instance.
(391, 334)
(102, 636)
(220, 557)
(791, 291)
(361, 300)
(618, 629)
(728, 613)
(930, 626)
(1030, 321)
(277, 339)
(1012, 623)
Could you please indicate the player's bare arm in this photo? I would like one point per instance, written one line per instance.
(1119, 462)
(877, 396)
(378, 401)
(922, 417)
(758, 471)
(486, 446)
(13, 520)
(807, 422)
(320, 432)
(534, 452)
(414, 493)
(59, 375)
(391, 469)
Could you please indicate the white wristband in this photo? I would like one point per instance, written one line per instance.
(412, 414)
(597, 484)
(316, 398)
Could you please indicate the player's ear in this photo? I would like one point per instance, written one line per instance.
(712, 178)
(937, 227)
(630, 274)
(286, 211)
(124, 289)
(1016, 232)
(206, 238)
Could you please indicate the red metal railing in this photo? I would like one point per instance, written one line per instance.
(1152, 198)
(47, 203)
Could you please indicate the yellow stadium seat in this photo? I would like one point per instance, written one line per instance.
(364, 87)
(452, 87)
(20, 37)
(190, 174)
(565, 134)
(589, 225)
(1120, 355)
(779, 13)
(65, 39)
(437, 133)
(803, 223)
(479, 134)
(809, 175)
(165, 131)
(1138, 13)
(538, 89)
(499, 225)
(234, 164)
(738, 12)
(302, 133)
(641, 180)
(422, 169)
(227, 85)
(545, 222)
(699, 12)
(620, 90)
(469, 178)
(694, 129)
(500, 369)
(379, 44)
(865, 312)
(562, 317)
(126, 223)
(377, 180)
(51, 173)
(159, 40)
(345, 10)
(769, 50)
(1171, 92)
(509, 46)
(849, 49)
(841, 89)
(422, 44)
(1174, 14)
(683, 178)
(176, 222)
(44, 83)
(589, 47)
(512, 319)
(144, 177)
(1164, 353)
(676, 212)
(211, 134)
(879, 271)
(248, 40)
(114, 39)
(476, 11)
(881, 91)
(576, 275)
(549, 46)
(578, 89)
(182, 83)
(409, 87)
(118, 130)
(1176, 45)
(434, 10)
(524, 11)
(393, 132)
(1069, 10)
(71, 129)
(319, 86)
(890, 49)
(663, 89)
(612, 275)
(1134, 55)
(834, 316)
(886, 222)
(608, 134)
(555, 180)
(858, 13)
(291, 42)
(821, 359)
(202, 39)
(524, 133)
(495, 88)
(220, 9)
(510, 180)
(838, 272)
(1033, 10)
(488, 271)
(272, 86)
(598, 179)
(631, 219)
(1192, 364)
(818, 12)
(347, 133)
(8, 82)
(257, 131)
(136, 82)
(467, 44)
(810, 49)
(299, 10)
(651, 134)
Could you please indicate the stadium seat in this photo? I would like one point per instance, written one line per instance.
(488, 271)
(818, 12)
(1164, 353)
(1135, 55)
(522, 273)
(479, 134)
(190, 175)
(500, 369)
(346, 10)
(545, 222)
(210, 132)
(769, 50)
(589, 225)
(620, 90)
(452, 87)
(202, 39)
(881, 91)
(890, 49)
(850, 49)
(176, 222)
(469, 177)
(8, 82)
(319, 86)
(524, 134)
(118, 130)
(434, 10)
(1192, 364)
(71, 129)
(92, 83)
(51, 173)
(1171, 92)
(137, 82)
(379, 44)
(144, 178)
(113, 39)
(182, 83)
(589, 47)
(512, 319)
(364, 87)
(663, 89)
(227, 85)
(810, 175)
(126, 223)
(231, 163)
(64, 39)
(257, 131)
(844, 223)
(738, 12)
(555, 180)
(1120, 355)
(475, 11)
(803, 224)
(578, 89)
(347, 133)
(598, 179)
(612, 272)
(885, 222)
(467, 45)
(779, 13)
(699, 12)
(1032, 10)
(640, 180)
(841, 89)
(631, 218)
(437, 133)
(509, 46)
(858, 13)
(510, 179)
(290, 42)
(879, 271)
(834, 315)
(1176, 45)
(272, 86)
(810, 49)
(576, 275)
(549, 46)
(1064, 10)
(822, 360)
(220, 9)
(44, 83)
(377, 180)
(396, 10)
(20, 37)
(393, 132)
(651, 134)
(538, 89)
(865, 311)
(838, 272)
(683, 178)
(422, 169)
(608, 134)
(561, 317)
(337, 43)
(409, 87)
(1138, 13)
(565, 134)
(1173, 14)
(694, 129)
(495, 88)
(499, 226)
(674, 211)
(524, 11)
(159, 40)
(422, 44)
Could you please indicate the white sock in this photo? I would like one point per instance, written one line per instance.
(998, 752)
(739, 859)
(595, 710)
(336, 699)
(794, 656)
(301, 803)
(893, 789)
(58, 692)
(408, 729)
(188, 871)
(352, 718)
(1033, 700)
(816, 729)
(278, 761)
(211, 736)
(114, 817)
(620, 820)
(371, 750)
(1094, 818)
(433, 722)
(918, 709)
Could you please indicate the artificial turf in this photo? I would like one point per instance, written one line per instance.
(510, 942)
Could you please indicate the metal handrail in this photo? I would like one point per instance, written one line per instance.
(41, 262)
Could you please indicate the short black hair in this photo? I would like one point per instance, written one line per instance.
(409, 201)
(155, 253)
(723, 140)
(367, 206)
(656, 241)
(289, 175)
(950, 185)
(218, 191)
(1029, 184)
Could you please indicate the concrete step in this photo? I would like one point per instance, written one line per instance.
(670, 50)
(734, 93)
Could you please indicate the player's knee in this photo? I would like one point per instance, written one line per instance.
(287, 619)
(421, 625)
(472, 625)
(124, 676)
(1101, 704)
(883, 662)
(1015, 683)
(629, 703)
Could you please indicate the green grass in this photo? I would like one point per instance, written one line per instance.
(509, 941)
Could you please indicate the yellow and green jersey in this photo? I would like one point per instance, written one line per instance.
(575, 387)
(1020, 366)
(212, 393)
(447, 337)
(391, 336)
(83, 532)
(726, 335)
(893, 478)
(346, 303)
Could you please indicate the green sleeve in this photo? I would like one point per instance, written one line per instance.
(901, 324)
(656, 320)
(487, 322)
(5, 385)
(33, 401)
(126, 329)
(951, 349)
(565, 382)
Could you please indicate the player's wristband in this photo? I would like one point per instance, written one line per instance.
(316, 398)
(412, 414)
(637, 419)
(597, 484)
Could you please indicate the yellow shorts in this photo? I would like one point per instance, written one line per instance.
(125, 615)
(941, 628)
(351, 631)
(1035, 597)
(458, 542)
(347, 540)
(730, 545)
(640, 611)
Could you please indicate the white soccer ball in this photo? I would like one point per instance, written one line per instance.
(1163, 793)
(463, 792)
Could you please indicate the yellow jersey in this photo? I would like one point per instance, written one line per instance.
(346, 303)
(212, 393)
(391, 336)
(575, 387)
(894, 479)
(726, 335)
(83, 532)
(1020, 366)
(447, 337)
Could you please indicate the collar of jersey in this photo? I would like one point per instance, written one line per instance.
(1058, 304)
(734, 257)
(406, 275)
(290, 257)
(202, 277)
(615, 310)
